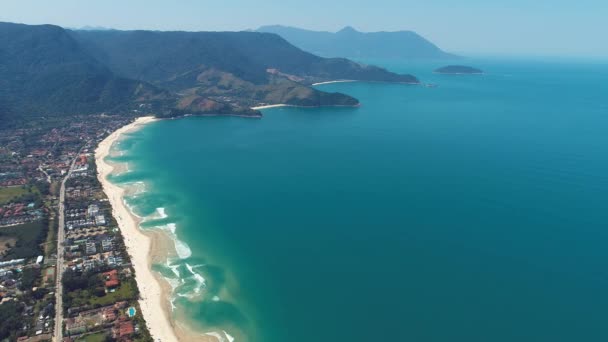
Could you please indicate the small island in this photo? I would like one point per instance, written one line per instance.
(458, 70)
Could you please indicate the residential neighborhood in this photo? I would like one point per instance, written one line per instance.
(65, 274)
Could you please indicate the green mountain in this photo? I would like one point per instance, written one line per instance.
(243, 68)
(165, 57)
(45, 72)
(349, 42)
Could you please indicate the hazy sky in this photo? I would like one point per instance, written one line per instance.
(515, 27)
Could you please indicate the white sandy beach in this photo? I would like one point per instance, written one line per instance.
(137, 243)
(270, 106)
(144, 249)
(330, 82)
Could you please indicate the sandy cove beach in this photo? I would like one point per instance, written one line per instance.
(270, 106)
(144, 248)
(138, 244)
(336, 81)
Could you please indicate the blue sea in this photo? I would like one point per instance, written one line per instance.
(476, 210)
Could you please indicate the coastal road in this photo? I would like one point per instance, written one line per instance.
(60, 252)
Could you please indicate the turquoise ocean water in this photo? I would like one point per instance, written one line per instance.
(473, 211)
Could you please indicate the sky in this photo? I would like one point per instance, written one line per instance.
(481, 27)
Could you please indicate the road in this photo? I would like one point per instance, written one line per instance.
(60, 254)
(48, 178)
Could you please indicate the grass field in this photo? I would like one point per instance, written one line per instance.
(97, 337)
(28, 236)
(50, 246)
(126, 291)
(7, 193)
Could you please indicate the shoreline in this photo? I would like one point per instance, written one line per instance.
(144, 248)
(138, 244)
(322, 83)
(351, 81)
(271, 106)
(294, 106)
(331, 82)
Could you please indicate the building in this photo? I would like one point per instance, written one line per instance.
(112, 280)
(90, 248)
(75, 326)
(126, 329)
(107, 245)
(100, 220)
(109, 315)
(93, 210)
(89, 264)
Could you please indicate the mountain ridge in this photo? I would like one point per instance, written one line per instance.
(48, 70)
(351, 43)
(44, 71)
(245, 69)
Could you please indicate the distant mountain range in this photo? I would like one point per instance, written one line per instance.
(47, 70)
(351, 43)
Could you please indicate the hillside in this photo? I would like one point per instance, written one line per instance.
(165, 58)
(351, 43)
(50, 71)
(212, 70)
(44, 71)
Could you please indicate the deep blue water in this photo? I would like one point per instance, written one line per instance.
(473, 211)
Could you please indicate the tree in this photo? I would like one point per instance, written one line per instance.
(28, 278)
(10, 319)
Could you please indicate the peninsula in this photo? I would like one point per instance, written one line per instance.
(51, 71)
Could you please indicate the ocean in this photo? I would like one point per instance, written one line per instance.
(475, 210)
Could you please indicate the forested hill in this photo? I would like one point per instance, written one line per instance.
(47, 70)
(165, 57)
(44, 71)
(349, 42)
(245, 69)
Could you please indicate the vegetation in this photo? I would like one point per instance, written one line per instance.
(96, 337)
(96, 297)
(9, 194)
(458, 69)
(10, 319)
(87, 289)
(29, 276)
(51, 75)
(127, 291)
(29, 237)
(52, 72)
(23, 193)
(246, 55)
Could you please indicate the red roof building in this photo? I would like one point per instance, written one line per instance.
(111, 278)
(126, 329)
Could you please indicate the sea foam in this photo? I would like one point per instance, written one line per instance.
(223, 337)
(161, 213)
(199, 279)
(181, 248)
(173, 268)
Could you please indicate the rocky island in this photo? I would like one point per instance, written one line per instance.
(458, 70)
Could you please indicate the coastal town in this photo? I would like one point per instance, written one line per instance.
(65, 272)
